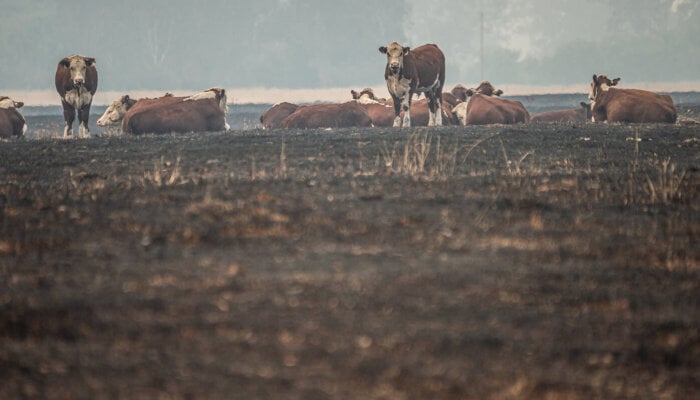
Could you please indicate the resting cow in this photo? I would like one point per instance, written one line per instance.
(628, 105)
(421, 70)
(76, 83)
(348, 114)
(204, 111)
(12, 123)
(580, 114)
(380, 111)
(273, 118)
(483, 109)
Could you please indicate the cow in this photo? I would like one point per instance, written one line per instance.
(204, 111)
(420, 113)
(76, 83)
(342, 115)
(273, 118)
(407, 72)
(580, 114)
(480, 109)
(380, 111)
(12, 123)
(610, 104)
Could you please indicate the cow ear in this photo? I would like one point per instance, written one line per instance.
(470, 92)
(406, 50)
(615, 81)
(90, 61)
(19, 104)
(65, 62)
(354, 94)
(125, 98)
(595, 79)
(498, 92)
(382, 49)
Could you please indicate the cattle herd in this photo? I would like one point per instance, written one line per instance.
(408, 72)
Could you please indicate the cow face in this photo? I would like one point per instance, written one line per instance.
(366, 96)
(601, 83)
(114, 114)
(394, 56)
(7, 103)
(78, 66)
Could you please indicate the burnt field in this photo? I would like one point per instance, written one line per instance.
(499, 262)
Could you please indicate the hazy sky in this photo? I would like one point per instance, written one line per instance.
(175, 44)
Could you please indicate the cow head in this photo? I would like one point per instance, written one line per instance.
(487, 89)
(601, 83)
(460, 92)
(7, 103)
(114, 114)
(78, 66)
(394, 56)
(365, 96)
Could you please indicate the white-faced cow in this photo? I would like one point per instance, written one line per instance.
(421, 70)
(483, 109)
(273, 118)
(628, 105)
(200, 112)
(76, 83)
(343, 115)
(12, 123)
(580, 114)
(380, 111)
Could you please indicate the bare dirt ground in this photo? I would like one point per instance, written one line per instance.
(522, 262)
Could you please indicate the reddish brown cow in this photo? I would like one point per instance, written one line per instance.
(581, 114)
(629, 105)
(481, 109)
(421, 70)
(76, 83)
(328, 116)
(12, 123)
(380, 111)
(273, 118)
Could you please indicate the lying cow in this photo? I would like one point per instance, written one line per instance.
(482, 109)
(273, 118)
(628, 105)
(205, 111)
(76, 83)
(580, 114)
(12, 123)
(380, 111)
(407, 72)
(348, 114)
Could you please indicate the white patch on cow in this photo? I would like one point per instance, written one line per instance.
(227, 126)
(208, 94)
(67, 131)
(460, 110)
(24, 129)
(398, 87)
(83, 131)
(437, 115)
(7, 103)
(407, 113)
(431, 87)
(397, 121)
(366, 99)
(78, 97)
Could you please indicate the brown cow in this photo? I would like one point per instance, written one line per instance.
(628, 105)
(76, 83)
(273, 118)
(204, 111)
(421, 70)
(580, 114)
(481, 109)
(348, 114)
(12, 123)
(380, 111)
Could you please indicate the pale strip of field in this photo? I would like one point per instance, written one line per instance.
(276, 95)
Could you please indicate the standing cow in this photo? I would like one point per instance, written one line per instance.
(421, 70)
(76, 83)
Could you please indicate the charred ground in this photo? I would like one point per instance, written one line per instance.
(524, 262)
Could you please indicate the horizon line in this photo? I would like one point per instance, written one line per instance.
(272, 95)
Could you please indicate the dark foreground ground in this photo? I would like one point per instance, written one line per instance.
(525, 262)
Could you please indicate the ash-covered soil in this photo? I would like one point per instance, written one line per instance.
(521, 262)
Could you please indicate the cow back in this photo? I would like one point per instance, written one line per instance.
(343, 115)
(634, 106)
(273, 118)
(428, 61)
(484, 110)
(171, 114)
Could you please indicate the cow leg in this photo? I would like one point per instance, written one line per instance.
(397, 112)
(435, 107)
(68, 117)
(83, 116)
(406, 106)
